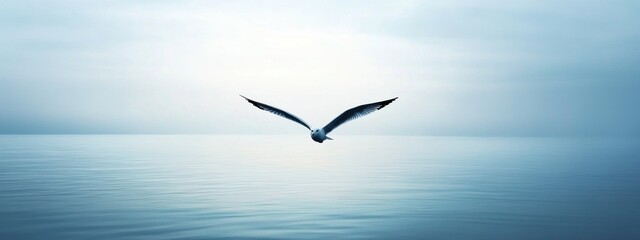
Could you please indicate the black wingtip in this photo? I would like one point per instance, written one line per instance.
(246, 98)
(386, 102)
(254, 103)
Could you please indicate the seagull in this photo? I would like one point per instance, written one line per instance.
(320, 134)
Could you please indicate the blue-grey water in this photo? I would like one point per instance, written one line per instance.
(289, 187)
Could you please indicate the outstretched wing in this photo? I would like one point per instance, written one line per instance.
(278, 112)
(356, 112)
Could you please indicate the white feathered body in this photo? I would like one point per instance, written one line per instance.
(318, 135)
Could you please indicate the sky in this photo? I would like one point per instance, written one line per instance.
(463, 68)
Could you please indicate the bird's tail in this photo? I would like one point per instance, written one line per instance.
(328, 138)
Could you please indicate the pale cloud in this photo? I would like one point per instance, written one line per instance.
(459, 67)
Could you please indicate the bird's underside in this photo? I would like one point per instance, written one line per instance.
(320, 134)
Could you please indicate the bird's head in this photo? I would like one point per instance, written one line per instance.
(317, 135)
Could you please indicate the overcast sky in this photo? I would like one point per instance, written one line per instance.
(479, 68)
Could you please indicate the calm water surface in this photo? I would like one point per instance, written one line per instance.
(242, 187)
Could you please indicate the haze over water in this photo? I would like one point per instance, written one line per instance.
(245, 186)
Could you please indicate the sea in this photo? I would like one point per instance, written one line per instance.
(289, 187)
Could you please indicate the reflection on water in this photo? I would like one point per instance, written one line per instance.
(202, 187)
